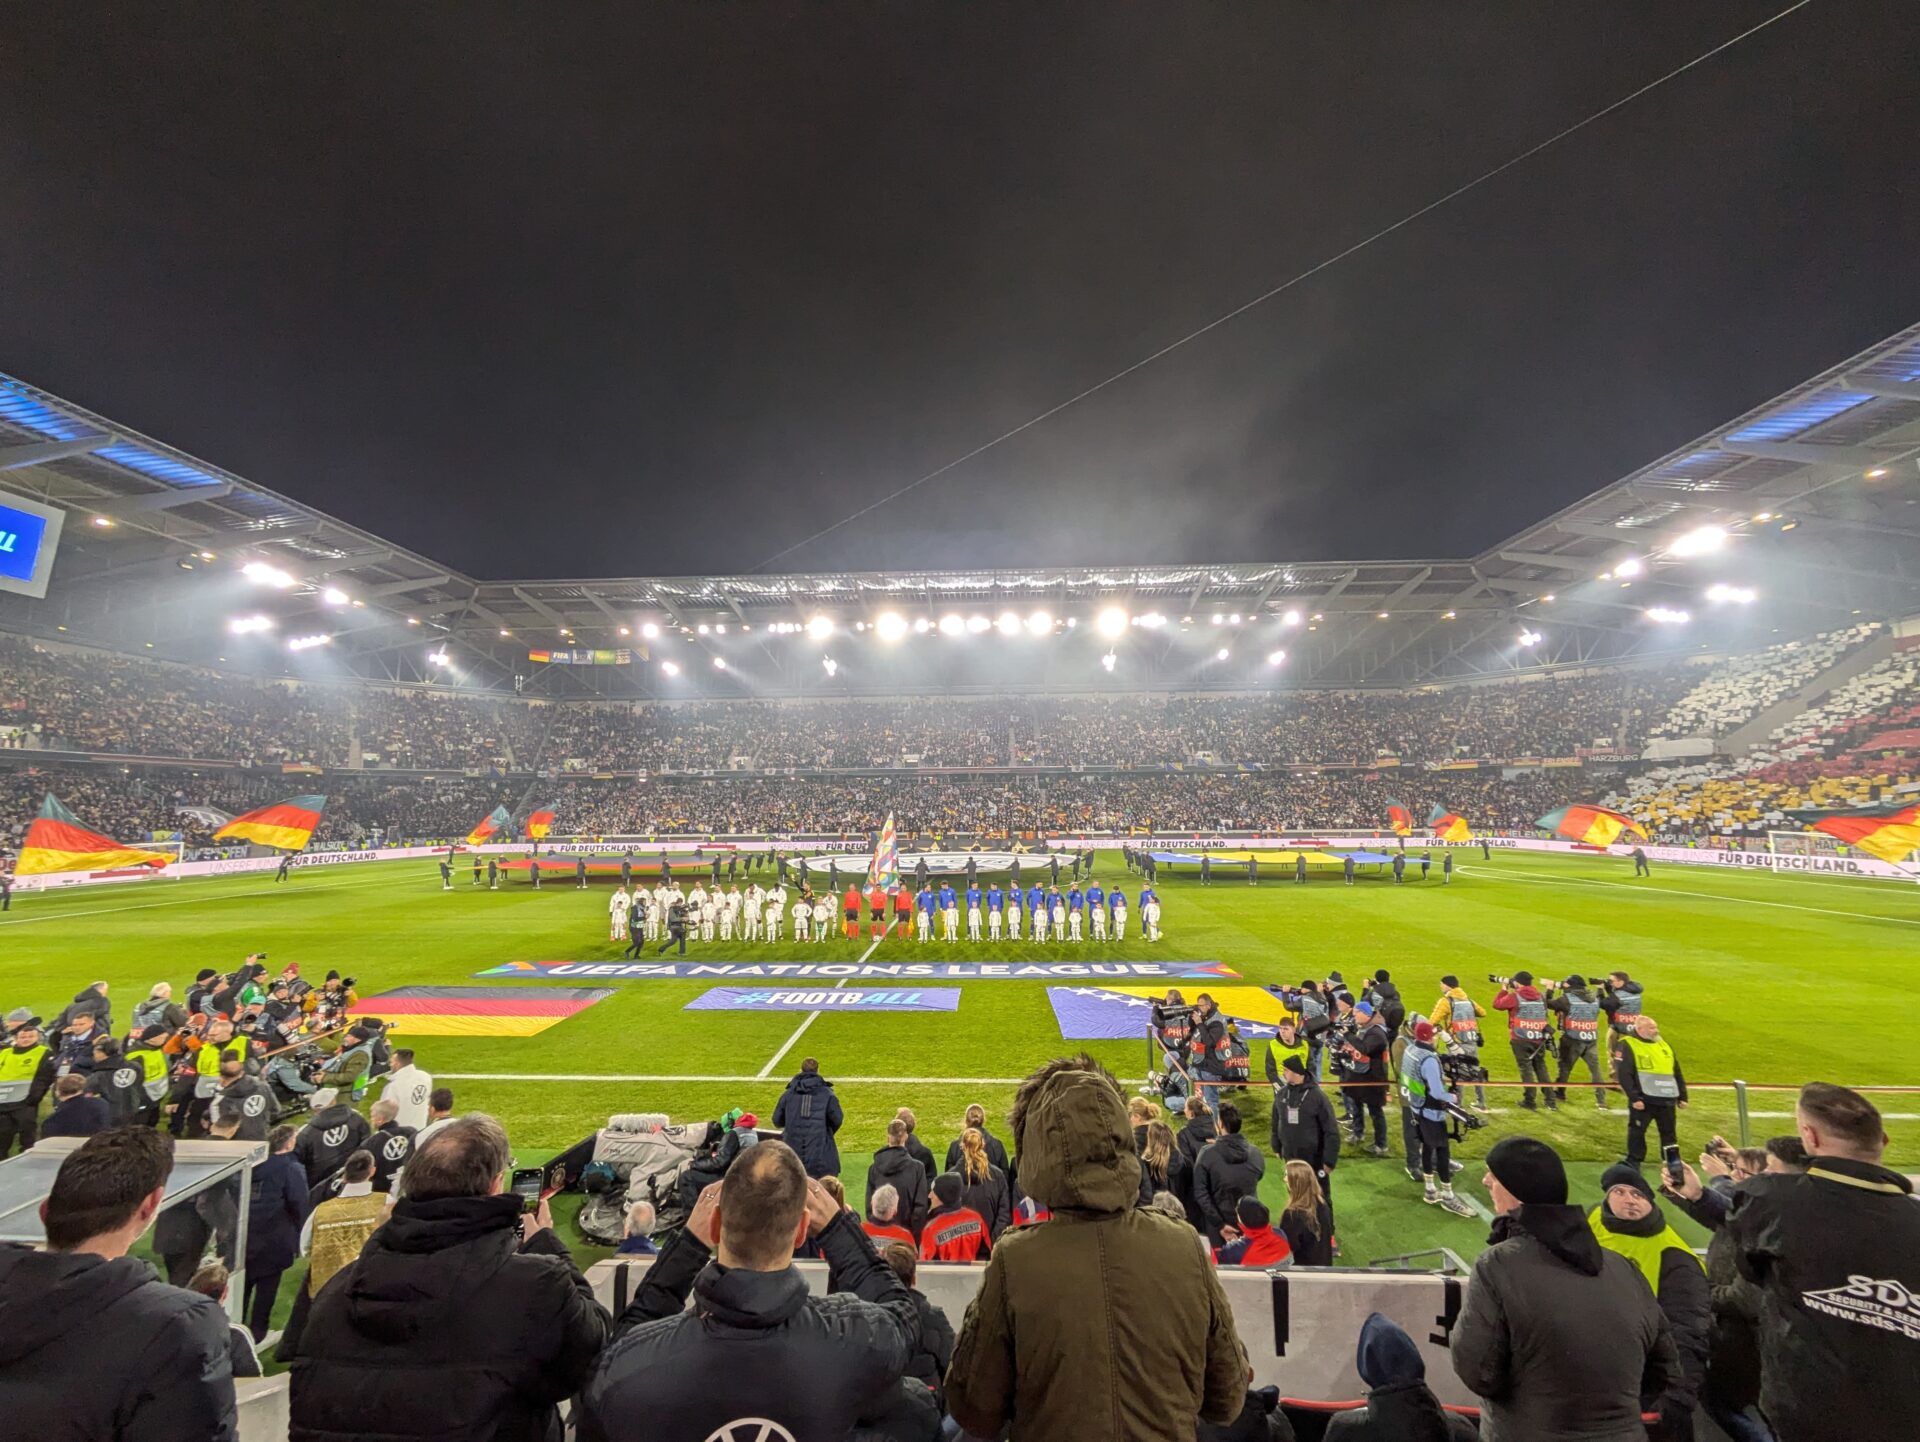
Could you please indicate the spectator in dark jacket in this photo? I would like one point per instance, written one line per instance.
(934, 1351)
(983, 1186)
(894, 1166)
(1400, 1406)
(757, 1345)
(459, 1318)
(976, 1118)
(1628, 1221)
(333, 1133)
(1162, 1167)
(93, 1345)
(1307, 1221)
(75, 1112)
(809, 1114)
(390, 1143)
(1192, 1139)
(1304, 1129)
(1544, 1292)
(90, 1002)
(275, 1212)
(1836, 1256)
(1229, 1168)
(916, 1148)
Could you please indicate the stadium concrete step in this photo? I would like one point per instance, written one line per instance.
(1740, 741)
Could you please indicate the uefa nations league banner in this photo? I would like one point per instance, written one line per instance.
(862, 970)
(741, 998)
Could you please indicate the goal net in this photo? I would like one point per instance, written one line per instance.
(1802, 843)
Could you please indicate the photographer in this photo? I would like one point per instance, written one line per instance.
(1172, 1029)
(1579, 1013)
(1367, 1077)
(1423, 1088)
(1316, 1020)
(1623, 1000)
(1456, 1016)
(1208, 1047)
(1529, 1032)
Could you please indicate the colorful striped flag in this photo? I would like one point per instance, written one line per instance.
(56, 841)
(1891, 833)
(478, 1010)
(540, 820)
(1446, 825)
(287, 825)
(1592, 825)
(1398, 817)
(884, 870)
(496, 827)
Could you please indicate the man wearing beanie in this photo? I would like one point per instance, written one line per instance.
(1424, 1101)
(1559, 1337)
(1629, 1221)
(1303, 1126)
(1581, 1023)
(1400, 1406)
(1252, 1240)
(1456, 1016)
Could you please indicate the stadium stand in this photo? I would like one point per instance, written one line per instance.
(1741, 687)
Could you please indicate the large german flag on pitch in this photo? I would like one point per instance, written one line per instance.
(1447, 826)
(540, 820)
(478, 1010)
(287, 825)
(1592, 825)
(1398, 817)
(1891, 833)
(56, 841)
(495, 827)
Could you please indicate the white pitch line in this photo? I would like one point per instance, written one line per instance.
(1541, 880)
(1479, 1207)
(813, 1016)
(508, 1076)
(196, 900)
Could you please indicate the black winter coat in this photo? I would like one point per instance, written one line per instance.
(996, 1153)
(275, 1210)
(1227, 1171)
(1178, 1180)
(93, 1349)
(895, 1167)
(1304, 1128)
(809, 1114)
(758, 1344)
(1836, 1255)
(933, 1354)
(1190, 1141)
(1733, 1359)
(445, 1326)
(1403, 1412)
(922, 1154)
(992, 1198)
(392, 1148)
(328, 1139)
(1312, 1247)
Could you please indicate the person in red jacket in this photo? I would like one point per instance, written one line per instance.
(1254, 1243)
(850, 905)
(1529, 1032)
(953, 1233)
(882, 1222)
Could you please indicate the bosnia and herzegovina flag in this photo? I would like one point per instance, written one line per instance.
(1891, 833)
(884, 870)
(1593, 825)
(495, 827)
(1398, 817)
(287, 825)
(540, 820)
(56, 841)
(1447, 826)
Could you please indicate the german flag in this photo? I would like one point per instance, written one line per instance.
(1398, 817)
(1591, 825)
(56, 841)
(495, 827)
(1891, 833)
(478, 1010)
(286, 825)
(540, 820)
(1446, 825)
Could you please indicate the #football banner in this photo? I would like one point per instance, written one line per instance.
(740, 998)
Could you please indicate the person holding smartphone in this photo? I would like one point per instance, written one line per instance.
(1649, 1073)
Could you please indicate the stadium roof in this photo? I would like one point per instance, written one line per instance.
(1816, 496)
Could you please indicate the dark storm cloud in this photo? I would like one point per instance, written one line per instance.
(564, 290)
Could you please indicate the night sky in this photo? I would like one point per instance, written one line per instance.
(666, 288)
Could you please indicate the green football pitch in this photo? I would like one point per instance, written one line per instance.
(1774, 980)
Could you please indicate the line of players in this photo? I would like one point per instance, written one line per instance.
(992, 913)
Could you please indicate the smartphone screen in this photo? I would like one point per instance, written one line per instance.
(1676, 1170)
(525, 1185)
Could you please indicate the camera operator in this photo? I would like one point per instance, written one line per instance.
(1650, 1075)
(1172, 1029)
(1579, 1013)
(1529, 1032)
(1456, 1016)
(1423, 1088)
(1367, 1077)
(1316, 1020)
(1208, 1047)
(1623, 1000)
(218, 1045)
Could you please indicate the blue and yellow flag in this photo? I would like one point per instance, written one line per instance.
(884, 871)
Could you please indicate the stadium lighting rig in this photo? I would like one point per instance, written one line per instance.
(1738, 595)
(820, 627)
(1109, 661)
(650, 630)
(334, 596)
(1111, 622)
(830, 666)
(1039, 623)
(1292, 618)
(1007, 624)
(249, 625)
(1700, 541)
(307, 643)
(263, 574)
(438, 658)
(891, 626)
(669, 668)
(1530, 638)
(1667, 616)
(1222, 654)
(1276, 658)
(952, 625)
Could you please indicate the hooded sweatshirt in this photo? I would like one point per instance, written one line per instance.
(1400, 1406)
(1038, 1347)
(93, 1348)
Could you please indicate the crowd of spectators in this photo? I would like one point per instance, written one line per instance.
(1735, 690)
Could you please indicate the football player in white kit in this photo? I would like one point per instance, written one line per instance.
(802, 914)
(617, 905)
(750, 913)
(822, 917)
(1150, 917)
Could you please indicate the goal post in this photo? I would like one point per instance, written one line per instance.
(1802, 843)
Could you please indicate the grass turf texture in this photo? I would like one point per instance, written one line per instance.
(1735, 965)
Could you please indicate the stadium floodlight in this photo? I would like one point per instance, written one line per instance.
(307, 643)
(1222, 654)
(891, 626)
(1698, 542)
(820, 627)
(719, 663)
(248, 625)
(1007, 624)
(1234, 619)
(1112, 621)
(703, 628)
(1292, 618)
(1219, 618)
(1530, 638)
(625, 632)
(1449, 615)
(1108, 662)
(650, 630)
(334, 596)
(265, 575)
(1667, 616)
(720, 629)
(1274, 658)
(105, 523)
(1629, 568)
(1153, 620)
(1739, 595)
(1873, 475)
(438, 658)
(977, 624)
(921, 625)
(1040, 622)
(829, 665)
(668, 668)
(952, 625)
